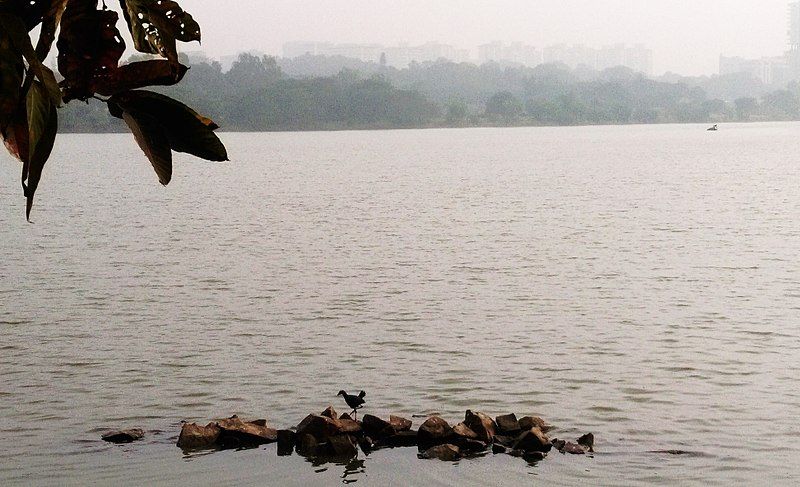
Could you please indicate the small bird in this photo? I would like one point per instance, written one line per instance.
(355, 402)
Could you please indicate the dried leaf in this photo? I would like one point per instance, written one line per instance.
(89, 48)
(153, 141)
(187, 130)
(141, 74)
(15, 135)
(42, 129)
(15, 28)
(156, 25)
(32, 12)
(11, 71)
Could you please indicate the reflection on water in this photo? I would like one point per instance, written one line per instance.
(637, 282)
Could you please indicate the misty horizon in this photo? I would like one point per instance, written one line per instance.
(686, 37)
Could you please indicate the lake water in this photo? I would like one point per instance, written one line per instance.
(641, 283)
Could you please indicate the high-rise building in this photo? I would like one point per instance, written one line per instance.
(794, 26)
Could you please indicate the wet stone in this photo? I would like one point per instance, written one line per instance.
(123, 436)
(529, 422)
(342, 446)
(587, 441)
(482, 425)
(446, 453)
(330, 413)
(508, 425)
(286, 442)
(434, 431)
(194, 436)
(402, 439)
(376, 427)
(400, 424)
(533, 440)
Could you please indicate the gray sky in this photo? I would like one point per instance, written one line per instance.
(686, 36)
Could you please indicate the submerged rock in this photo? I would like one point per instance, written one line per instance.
(587, 441)
(533, 440)
(482, 425)
(287, 439)
(402, 439)
(194, 436)
(434, 431)
(123, 436)
(342, 446)
(445, 452)
(573, 449)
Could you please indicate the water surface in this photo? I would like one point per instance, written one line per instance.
(637, 282)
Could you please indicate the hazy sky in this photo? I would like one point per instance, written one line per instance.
(686, 36)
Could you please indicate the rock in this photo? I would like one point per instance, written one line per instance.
(342, 446)
(434, 431)
(376, 427)
(529, 422)
(330, 413)
(587, 441)
(573, 449)
(287, 439)
(236, 433)
(194, 436)
(482, 425)
(345, 416)
(558, 444)
(464, 431)
(123, 436)
(498, 449)
(534, 456)
(400, 424)
(349, 426)
(533, 440)
(507, 441)
(446, 453)
(259, 422)
(307, 445)
(366, 444)
(508, 425)
(470, 446)
(402, 439)
(320, 427)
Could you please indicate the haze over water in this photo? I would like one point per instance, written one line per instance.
(639, 282)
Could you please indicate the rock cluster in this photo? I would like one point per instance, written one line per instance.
(328, 435)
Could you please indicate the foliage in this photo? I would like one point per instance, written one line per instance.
(89, 50)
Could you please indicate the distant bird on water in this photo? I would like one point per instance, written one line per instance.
(713, 129)
(354, 402)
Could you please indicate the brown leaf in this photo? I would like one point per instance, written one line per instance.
(187, 130)
(42, 129)
(89, 48)
(153, 141)
(141, 74)
(156, 25)
(15, 136)
(15, 28)
(11, 71)
(30, 11)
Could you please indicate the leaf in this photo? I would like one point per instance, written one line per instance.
(153, 141)
(42, 128)
(141, 74)
(50, 21)
(11, 71)
(187, 130)
(15, 136)
(89, 48)
(32, 12)
(156, 25)
(13, 25)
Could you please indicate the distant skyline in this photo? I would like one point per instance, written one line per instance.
(686, 36)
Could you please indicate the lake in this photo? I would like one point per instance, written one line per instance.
(640, 283)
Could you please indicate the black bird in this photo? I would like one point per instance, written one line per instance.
(355, 402)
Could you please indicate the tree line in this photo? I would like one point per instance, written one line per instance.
(260, 93)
